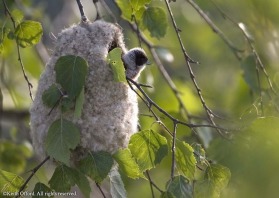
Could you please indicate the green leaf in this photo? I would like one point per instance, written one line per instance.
(67, 104)
(117, 189)
(149, 148)
(127, 163)
(79, 104)
(138, 4)
(96, 165)
(180, 187)
(51, 96)
(185, 159)
(4, 32)
(155, 20)
(250, 74)
(132, 7)
(71, 72)
(62, 136)
(63, 179)
(115, 61)
(10, 182)
(28, 33)
(41, 191)
(83, 184)
(17, 15)
(215, 180)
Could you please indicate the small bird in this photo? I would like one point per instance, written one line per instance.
(134, 62)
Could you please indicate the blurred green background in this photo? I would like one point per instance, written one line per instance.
(228, 85)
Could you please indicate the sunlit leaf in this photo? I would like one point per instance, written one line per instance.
(215, 180)
(4, 32)
(132, 7)
(17, 15)
(127, 163)
(10, 182)
(115, 61)
(155, 20)
(138, 4)
(96, 165)
(71, 72)
(117, 189)
(41, 191)
(185, 159)
(62, 136)
(180, 187)
(148, 148)
(28, 33)
(51, 96)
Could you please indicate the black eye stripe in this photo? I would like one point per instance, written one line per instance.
(141, 60)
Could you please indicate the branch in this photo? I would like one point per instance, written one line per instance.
(215, 29)
(255, 53)
(152, 184)
(32, 174)
(30, 86)
(150, 103)
(173, 150)
(101, 190)
(80, 7)
(188, 60)
(97, 9)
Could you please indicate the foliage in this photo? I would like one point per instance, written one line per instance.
(114, 59)
(10, 182)
(237, 78)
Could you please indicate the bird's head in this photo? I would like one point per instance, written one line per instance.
(134, 62)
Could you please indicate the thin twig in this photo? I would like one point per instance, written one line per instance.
(251, 45)
(137, 29)
(173, 150)
(188, 60)
(30, 86)
(150, 103)
(80, 7)
(215, 29)
(33, 172)
(163, 71)
(101, 190)
(152, 183)
(108, 10)
(97, 9)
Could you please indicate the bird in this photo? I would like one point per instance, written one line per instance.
(134, 62)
